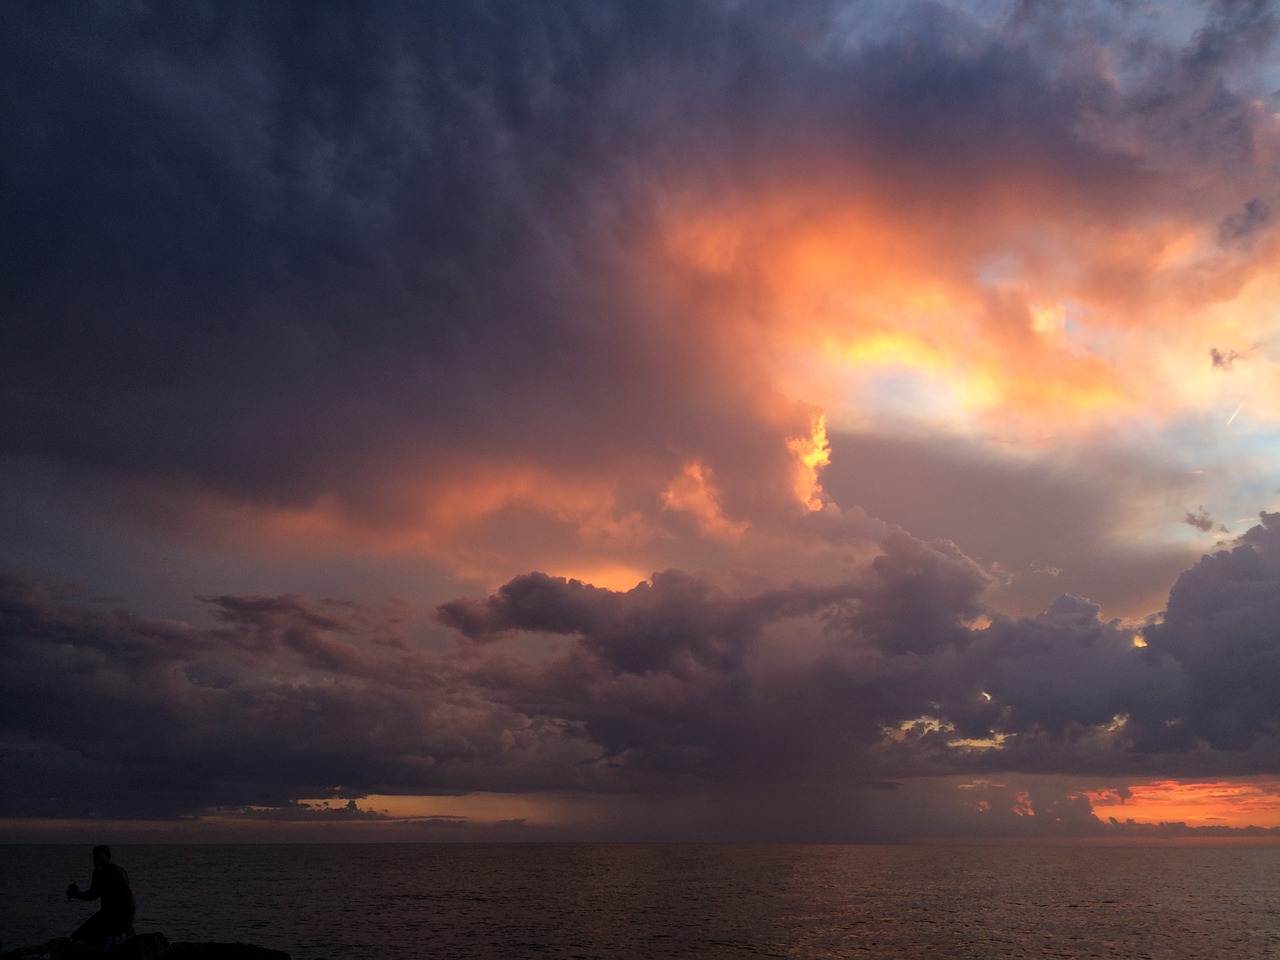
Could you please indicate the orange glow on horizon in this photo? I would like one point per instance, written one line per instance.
(1248, 803)
(534, 808)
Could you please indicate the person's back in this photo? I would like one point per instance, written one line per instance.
(118, 907)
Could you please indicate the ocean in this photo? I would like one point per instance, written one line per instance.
(649, 901)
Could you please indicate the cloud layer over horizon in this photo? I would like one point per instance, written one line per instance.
(672, 688)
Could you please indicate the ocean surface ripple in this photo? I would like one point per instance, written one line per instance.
(652, 901)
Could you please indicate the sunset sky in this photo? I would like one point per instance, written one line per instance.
(705, 419)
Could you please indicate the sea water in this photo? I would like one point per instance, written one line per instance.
(648, 901)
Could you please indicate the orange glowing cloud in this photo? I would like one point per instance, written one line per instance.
(1026, 314)
(812, 453)
(573, 525)
(694, 492)
(450, 504)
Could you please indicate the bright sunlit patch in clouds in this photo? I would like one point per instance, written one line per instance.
(1049, 322)
(812, 454)
(611, 576)
(862, 312)
(1026, 317)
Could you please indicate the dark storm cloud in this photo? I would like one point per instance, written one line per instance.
(842, 680)
(1198, 698)
(674, 685)
(1223, 627)
(299, 249)
(106, 712)
(283, 251)
(655, 626)
(109, 712)
(228, 222)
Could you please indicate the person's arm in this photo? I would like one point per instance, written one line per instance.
(75, 893)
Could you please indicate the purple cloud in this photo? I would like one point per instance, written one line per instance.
(672, 685)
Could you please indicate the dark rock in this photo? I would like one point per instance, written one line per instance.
(142, 946)
(61, 949)
(145, 946)
(222, 951)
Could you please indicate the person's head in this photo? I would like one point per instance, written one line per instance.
(101, 855)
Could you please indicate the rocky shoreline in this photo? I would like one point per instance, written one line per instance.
(145, 946)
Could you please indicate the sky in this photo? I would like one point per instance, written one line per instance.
(691, 420)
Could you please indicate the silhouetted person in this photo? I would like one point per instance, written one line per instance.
(114, 920)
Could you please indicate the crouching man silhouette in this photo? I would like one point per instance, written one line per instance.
(114, 920)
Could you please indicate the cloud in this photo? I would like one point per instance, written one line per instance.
(332, 263)
(1227, 360)
(1200, 520)
(1220, 627)
(675, 687)
(1040, 527)
(1061, 691)
(1240, 226)
(856, 325)
(303, 813)
(107, 712)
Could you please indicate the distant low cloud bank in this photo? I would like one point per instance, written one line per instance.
(675, 686)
